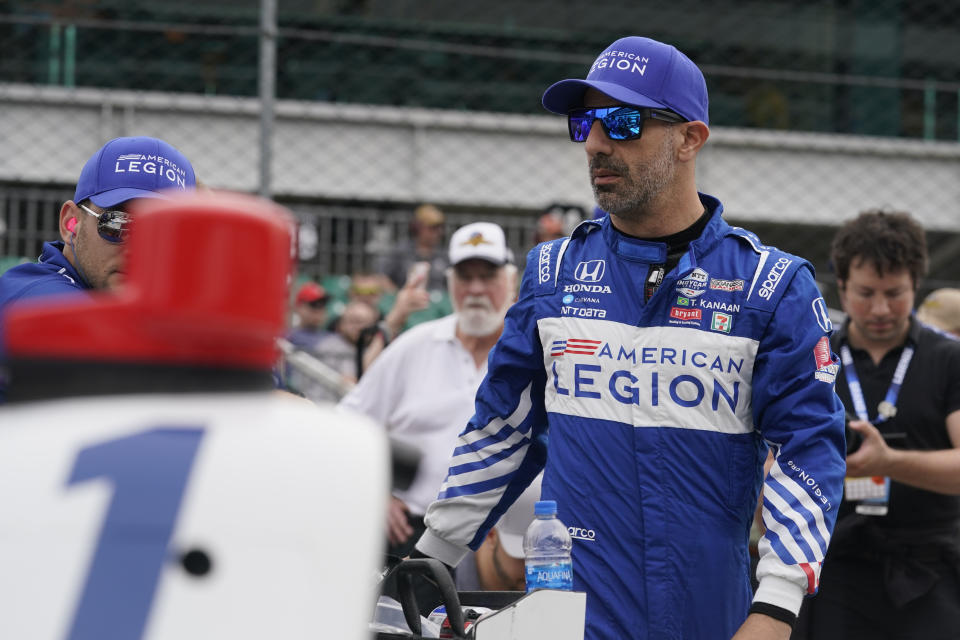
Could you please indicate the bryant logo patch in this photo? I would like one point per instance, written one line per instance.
(685, 314)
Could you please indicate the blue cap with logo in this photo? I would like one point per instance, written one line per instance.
(127, 168)
(639, 72)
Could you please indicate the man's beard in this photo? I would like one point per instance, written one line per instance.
(638, 185)
(477, 317)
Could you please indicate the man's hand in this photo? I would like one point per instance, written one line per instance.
(413, 296)
(872, 458)
(398, 527)
(760, 627)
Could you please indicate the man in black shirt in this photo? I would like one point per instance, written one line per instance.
(893, 566)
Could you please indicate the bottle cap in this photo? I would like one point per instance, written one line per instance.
(545, 507)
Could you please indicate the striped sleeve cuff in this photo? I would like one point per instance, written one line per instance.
(432, 545)
(779, 592)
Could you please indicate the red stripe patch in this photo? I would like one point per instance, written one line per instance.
(582, 346)
(811, 577)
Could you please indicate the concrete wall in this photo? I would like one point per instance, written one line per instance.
(472, 159)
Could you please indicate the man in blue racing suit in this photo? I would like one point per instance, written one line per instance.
(661, 353)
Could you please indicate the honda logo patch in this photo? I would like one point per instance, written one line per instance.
(590, 271)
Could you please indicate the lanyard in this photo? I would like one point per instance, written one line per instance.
(886, 409)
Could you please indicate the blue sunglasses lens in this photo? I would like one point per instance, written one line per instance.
(619, 123)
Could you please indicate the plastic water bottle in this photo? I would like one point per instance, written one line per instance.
(546, 549)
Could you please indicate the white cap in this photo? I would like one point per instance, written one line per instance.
(513, 524)
(484, 240)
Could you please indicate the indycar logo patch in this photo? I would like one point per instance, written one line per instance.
(694, 284)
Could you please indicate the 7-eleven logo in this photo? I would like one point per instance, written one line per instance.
(722, 322)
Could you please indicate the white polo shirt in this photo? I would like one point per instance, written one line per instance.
(422, 389)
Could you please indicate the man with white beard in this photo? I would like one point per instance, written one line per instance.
(422, 387)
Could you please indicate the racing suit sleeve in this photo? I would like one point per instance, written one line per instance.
(503, 447)
(801, 418)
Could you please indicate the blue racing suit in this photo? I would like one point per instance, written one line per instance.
(51, 275)
(653, 420)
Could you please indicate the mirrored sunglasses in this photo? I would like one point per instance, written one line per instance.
(112, 225)
(619, 123)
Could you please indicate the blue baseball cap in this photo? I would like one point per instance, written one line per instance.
(127, 168)
(639, 72)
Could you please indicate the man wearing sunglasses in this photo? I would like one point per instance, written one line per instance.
(665, 352)
(94, 224)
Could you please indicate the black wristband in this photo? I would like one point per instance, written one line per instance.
(775, 612)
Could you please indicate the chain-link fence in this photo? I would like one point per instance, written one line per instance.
(819, 109)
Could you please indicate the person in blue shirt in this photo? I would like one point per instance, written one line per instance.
(90, 254)
(650, 363)
(93, 225)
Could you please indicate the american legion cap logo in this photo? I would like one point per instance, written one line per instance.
(151, 164)
(138, 167)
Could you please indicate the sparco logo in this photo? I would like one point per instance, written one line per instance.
(586, 288)
(590, 271)
(773, 278)
(582, 534)
(544, 265)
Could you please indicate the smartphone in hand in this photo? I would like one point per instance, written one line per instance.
(419, 271)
